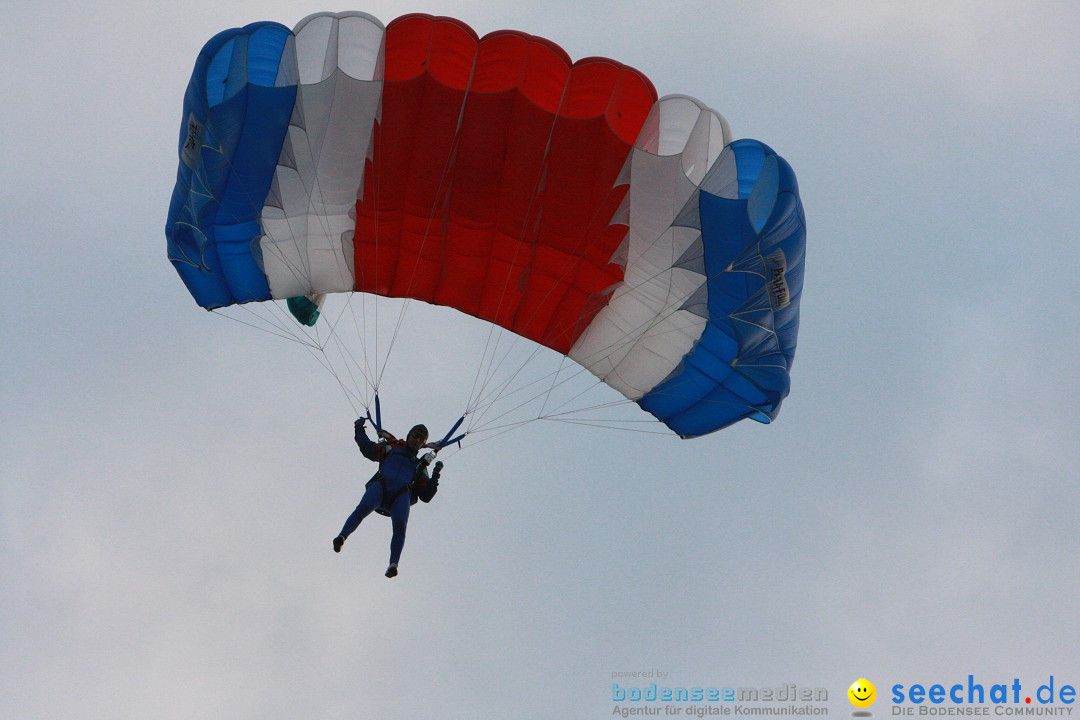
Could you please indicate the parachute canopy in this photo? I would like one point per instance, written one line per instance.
(560, 200)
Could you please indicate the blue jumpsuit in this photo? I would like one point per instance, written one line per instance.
(399, 467)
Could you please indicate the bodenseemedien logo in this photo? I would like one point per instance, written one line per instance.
(786, 700)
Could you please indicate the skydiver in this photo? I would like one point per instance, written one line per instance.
(402, 479)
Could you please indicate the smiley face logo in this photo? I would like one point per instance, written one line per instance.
(862, 693)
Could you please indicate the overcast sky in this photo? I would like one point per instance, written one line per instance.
(171, 480)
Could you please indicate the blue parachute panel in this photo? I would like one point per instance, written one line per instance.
(227, 163)
(754, 248)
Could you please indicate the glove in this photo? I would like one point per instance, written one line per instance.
(436, 472)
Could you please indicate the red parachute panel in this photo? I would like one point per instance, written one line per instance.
(491, 186)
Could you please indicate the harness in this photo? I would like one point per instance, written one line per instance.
(388, 497)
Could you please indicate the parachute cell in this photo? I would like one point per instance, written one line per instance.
(560, 200)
